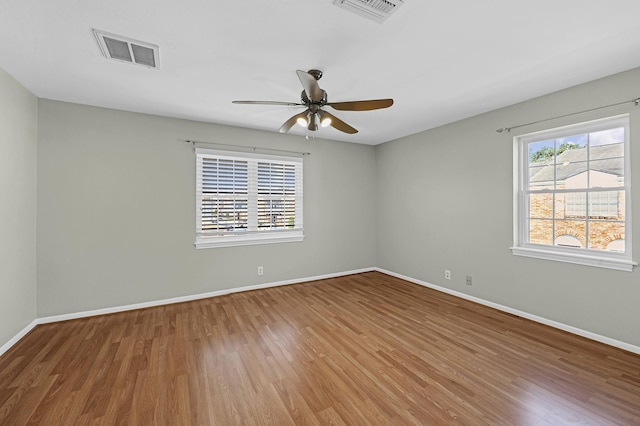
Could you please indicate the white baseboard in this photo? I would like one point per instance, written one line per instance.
(104, 311)
(188, 298)
(15, 339)
(574, 330)
(555, 324)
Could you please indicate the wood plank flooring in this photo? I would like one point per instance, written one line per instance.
(367, 349)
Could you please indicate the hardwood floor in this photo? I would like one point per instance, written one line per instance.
(362, 349)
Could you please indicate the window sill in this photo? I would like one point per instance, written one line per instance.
(576, 258)
(248, 240)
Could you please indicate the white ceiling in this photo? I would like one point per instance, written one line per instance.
(439, 60)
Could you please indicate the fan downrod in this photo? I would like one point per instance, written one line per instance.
(317, 74)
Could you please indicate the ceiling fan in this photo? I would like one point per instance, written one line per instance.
(314, 98)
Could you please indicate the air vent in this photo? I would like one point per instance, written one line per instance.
(376, 10)
(124, 49)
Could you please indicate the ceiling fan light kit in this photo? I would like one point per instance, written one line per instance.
(324, 120)
(314, 99)
(310, 122)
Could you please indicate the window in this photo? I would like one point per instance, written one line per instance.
(247, 198)
(572, 190)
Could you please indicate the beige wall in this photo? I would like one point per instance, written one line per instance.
(116, 218)
(18, 115)
(445, 199)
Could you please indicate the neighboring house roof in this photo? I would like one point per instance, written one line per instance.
(603, 158)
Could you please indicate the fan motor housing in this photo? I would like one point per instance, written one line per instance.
(305, 99)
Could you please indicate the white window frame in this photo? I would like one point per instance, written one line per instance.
(252, 235)
(582, 256)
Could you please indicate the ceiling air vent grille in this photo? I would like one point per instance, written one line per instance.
(376, 10)
(124, 49)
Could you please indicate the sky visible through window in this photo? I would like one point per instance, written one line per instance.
(605, 137)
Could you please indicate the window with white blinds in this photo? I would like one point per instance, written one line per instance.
(247, 198)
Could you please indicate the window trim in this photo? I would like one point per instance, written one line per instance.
(580, 256)
(254, 237)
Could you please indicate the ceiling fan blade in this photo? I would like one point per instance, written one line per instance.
(267, 103)
(310, 84)
(338, 124)
(290, 122)
(361, 105)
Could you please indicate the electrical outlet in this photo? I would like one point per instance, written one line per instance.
(468, 279)
(260, 270)
(447, 274)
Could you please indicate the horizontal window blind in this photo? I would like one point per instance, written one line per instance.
(276, 195)
(225, 195)
(241, 197)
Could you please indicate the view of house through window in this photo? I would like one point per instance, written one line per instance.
(576, 188)
(573, 187)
